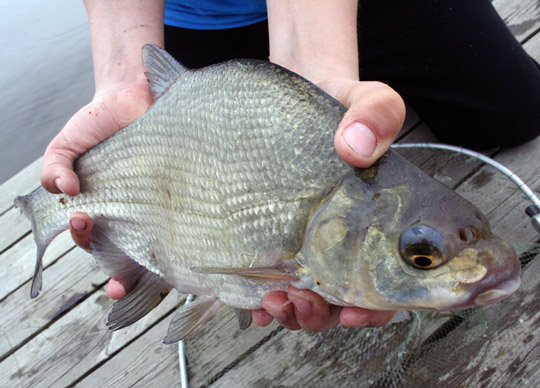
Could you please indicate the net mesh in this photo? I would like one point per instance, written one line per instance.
(474, 347)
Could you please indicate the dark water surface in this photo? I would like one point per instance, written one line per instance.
(46, 75)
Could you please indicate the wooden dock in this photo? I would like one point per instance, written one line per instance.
(60, 339)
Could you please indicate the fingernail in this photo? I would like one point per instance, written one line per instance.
(78, 225)
(58, 184)
(360, 139)
(302, 305)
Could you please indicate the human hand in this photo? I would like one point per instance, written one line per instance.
(108, 112)
(118, 31)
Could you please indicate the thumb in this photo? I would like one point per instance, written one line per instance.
(85, 129)
(374, 118)
(89, 126)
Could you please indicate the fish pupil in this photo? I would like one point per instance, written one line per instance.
(423, 261)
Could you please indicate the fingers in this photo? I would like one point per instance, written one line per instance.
(304, 309)
(374, 118)
(359, 317)
(115, 289)
(80, 226)
(83, 131)
(297, 309)
(277, 305)
(312, 311)
(261, 317)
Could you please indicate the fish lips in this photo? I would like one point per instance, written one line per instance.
(497, 293)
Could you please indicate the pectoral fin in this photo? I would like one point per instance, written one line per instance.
(190, 316)
(401, 315)
(113, 260)
(279, 272)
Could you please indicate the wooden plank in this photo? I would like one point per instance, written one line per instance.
(74, 344)
(65, 348)
(447, 167)
(64, 284)
(533, 47)
(13, 227)
(521, 16)
(352, 357)
(144, 363)
(500, 200)
(209, 352)
(214, 347)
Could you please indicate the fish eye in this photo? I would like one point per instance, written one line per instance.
(422, 247)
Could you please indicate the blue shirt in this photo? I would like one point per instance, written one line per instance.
(214, 14)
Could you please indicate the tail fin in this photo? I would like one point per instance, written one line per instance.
(40, 207)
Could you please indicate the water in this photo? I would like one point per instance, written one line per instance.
(46, 75)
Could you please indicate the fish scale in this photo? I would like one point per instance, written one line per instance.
(229, 187)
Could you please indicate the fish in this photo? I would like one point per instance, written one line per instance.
(229, 187)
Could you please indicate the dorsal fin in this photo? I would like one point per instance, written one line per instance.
(244, 318)
(164, 69)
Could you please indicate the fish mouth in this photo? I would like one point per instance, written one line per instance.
(488, 296)
(497, 293)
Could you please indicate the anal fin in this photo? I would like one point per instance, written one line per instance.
(145, 289)
(148, 292)
(190, 316)
(244, 318)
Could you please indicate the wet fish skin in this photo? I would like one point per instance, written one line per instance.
(224, 154)
(231, 171)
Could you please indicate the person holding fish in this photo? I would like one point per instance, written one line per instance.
(345, 48)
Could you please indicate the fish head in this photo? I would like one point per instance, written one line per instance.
(406, 244)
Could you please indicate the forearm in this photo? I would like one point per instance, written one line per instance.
(316, 38)
(119, 29)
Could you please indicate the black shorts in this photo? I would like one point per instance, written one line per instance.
(455, 62)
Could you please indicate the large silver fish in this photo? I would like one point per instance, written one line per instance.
(229, 187)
